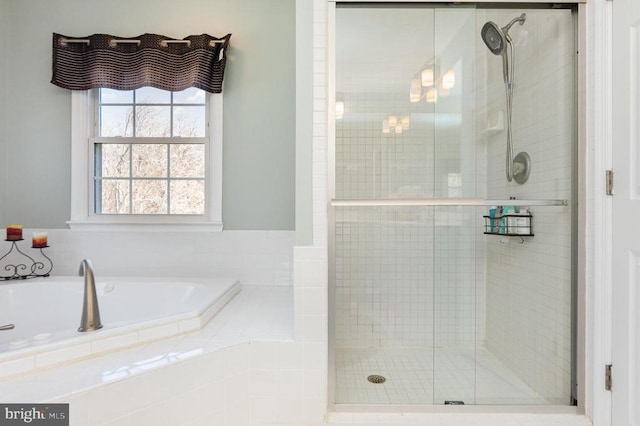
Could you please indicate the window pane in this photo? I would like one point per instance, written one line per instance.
(153, 121)
(187, 197)
(149, 160)
(112, 160)
(150, 197)
(190, 96)
(115, 196)
(189, 121)
(151, 95)
(116, 121)
(110, 96)
(187, 160)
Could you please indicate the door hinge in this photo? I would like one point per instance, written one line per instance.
(608, 380)
(609, 182)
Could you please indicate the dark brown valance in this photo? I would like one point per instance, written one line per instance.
(102, 60)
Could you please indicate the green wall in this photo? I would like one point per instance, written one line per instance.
(3, 103)
(259, 101)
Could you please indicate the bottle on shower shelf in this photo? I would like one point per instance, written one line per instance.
(523, 221)
(505, 222)
(492, 218)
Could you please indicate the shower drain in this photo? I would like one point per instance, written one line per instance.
(377, 379)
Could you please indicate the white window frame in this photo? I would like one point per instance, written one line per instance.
(83, 122)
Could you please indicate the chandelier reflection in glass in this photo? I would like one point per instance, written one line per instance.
(429, 83)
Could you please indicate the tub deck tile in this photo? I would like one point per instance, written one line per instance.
(257, 313)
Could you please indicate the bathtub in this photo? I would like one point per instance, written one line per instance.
(46, 313)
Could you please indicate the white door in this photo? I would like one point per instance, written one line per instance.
(626, 213)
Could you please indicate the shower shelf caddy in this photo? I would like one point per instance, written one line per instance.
(509, 225)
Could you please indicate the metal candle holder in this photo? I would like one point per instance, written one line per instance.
(27, 268)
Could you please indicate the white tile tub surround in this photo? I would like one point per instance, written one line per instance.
(121, 328)
(243, 368)
(252, 257)
(243, 365)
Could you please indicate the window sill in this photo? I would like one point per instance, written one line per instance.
(110, 226)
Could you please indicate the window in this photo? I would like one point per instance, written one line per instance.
(151, 157)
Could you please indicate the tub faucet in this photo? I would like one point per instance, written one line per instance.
(90, 313)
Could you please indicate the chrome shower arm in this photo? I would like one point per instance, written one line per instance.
(507, 27)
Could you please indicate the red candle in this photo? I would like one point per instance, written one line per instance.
(39, 240)
(14, 232)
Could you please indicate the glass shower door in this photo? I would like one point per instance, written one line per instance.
(401, 309)
(457, 274)
(427, 309)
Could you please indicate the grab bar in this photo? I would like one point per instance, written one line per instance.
(7, 327)
(398, 202)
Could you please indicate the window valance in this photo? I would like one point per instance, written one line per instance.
(107, 61)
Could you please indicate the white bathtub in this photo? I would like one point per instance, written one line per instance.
(46, 313)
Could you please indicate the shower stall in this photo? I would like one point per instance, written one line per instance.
(450, 282)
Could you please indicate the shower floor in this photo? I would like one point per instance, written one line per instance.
(460, 374)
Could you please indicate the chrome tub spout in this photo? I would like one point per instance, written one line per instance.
(7, 327)
(90, 313)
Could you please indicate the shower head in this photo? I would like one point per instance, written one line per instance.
(496, 38)
(496, 41)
